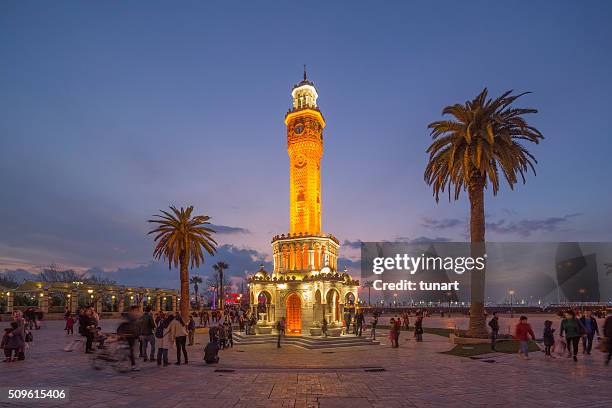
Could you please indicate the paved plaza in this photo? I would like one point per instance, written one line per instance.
(414, 375)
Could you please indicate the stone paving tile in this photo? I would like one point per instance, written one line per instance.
(416, 375)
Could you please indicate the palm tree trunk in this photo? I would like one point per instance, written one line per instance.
(184, 276)
(477, 327)
(369, 288)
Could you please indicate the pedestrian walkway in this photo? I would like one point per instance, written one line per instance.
(413, 375)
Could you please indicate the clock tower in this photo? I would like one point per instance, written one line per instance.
(305, 285)
(305, 125)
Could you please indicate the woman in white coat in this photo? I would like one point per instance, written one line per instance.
(164, 337)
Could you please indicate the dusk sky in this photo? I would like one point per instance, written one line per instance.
(114, 110)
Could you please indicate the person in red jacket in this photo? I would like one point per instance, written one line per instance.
(523, 331)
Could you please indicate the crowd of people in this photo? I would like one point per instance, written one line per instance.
(574, 328)
(151, 337)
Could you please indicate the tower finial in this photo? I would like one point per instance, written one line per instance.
(304, 72)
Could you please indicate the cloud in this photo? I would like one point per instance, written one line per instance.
(526, 227)
(352, 244)
(444, 223)
(423, 240)
(225, 229)
(157, 274)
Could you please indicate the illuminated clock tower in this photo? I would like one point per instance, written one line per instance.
(305, 286)
(305, 125)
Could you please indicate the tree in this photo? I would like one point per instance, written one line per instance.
(8, 280)
(485, 137)
(182, 240)
(195, 281)
(219, 267)
(212, 282)
(53, 274)
(369, 285)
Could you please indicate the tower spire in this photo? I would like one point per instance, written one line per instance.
(304, 72)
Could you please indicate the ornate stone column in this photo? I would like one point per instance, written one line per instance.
(311, 258)
(43, 301)
(98, 304)
(157, 302)
(121, 305)
(73, 300)
(174, 301)
(10, 297)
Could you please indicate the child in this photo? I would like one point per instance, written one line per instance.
(523, 332)
(8, 352)
(69, 325)
(549, 337)
(392, 329)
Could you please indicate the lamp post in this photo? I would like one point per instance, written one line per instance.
(582, 291)
(511, 293)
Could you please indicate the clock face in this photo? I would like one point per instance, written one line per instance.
(300, 160)
(298, 128)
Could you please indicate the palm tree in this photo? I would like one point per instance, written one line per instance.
(484, 138)
(195, 281)
(369, 285)
(182, 239)
(220, 267)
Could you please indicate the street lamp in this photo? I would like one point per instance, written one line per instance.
(582, 291)
(511, 293)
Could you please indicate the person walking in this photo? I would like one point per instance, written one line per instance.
(6, 345)
(87, 328)
(374, 324)
(69, 325)
(549, 338)
(359, 321)
(324, 327)
(523, 331)
(590, 327)
(129, 331)
(572, 328)
(494, 325)
(14, 342)
(347, 321)
(398, 326)
(147, 328)
(418, 329)
(392, 332)
(607, 332)
(180, 338)
(280, 327)
(229, 335)
(191, 328)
